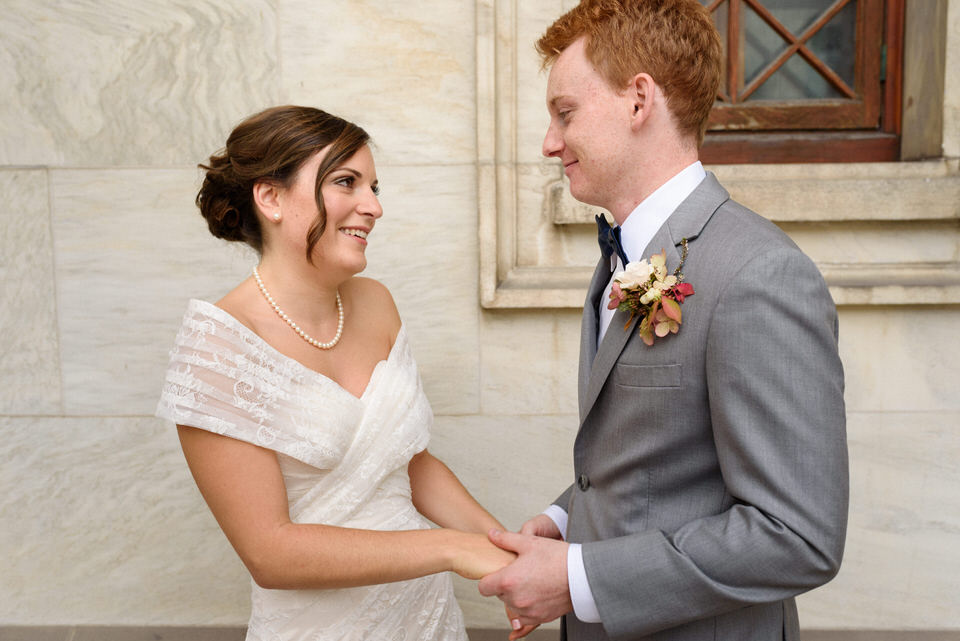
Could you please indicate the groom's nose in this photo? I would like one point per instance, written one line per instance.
(552, 142)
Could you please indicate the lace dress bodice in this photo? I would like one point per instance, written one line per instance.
(344, 462)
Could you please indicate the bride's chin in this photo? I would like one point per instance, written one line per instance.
(353, 268)
(351, 264)
(359, 270)
(356, 263)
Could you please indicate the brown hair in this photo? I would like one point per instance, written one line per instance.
(271, 146)
(672, 40)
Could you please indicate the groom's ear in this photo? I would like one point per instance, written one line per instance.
(642, 91)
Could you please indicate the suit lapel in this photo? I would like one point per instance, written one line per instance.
(687, 221)
(589, 324)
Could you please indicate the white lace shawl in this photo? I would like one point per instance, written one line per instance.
(224, 378)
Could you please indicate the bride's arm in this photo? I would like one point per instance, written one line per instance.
(439, 496)
(244, 488)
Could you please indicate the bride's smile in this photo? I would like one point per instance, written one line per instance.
(359, 234)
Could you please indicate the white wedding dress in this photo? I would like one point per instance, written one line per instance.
(344, 461)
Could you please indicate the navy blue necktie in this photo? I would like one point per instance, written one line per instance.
(609, 239)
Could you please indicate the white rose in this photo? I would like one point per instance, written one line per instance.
(636, 274)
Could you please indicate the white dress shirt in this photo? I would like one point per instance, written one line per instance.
(636, 233)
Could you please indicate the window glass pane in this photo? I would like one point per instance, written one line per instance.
(795, 80)
(834, 43)
(720, 19)
(797, 15)
(761, 44)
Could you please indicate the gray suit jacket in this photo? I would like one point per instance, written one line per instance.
(711, 467)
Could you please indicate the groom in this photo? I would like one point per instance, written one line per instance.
(710, 469)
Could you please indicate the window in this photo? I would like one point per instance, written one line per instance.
(807, 81)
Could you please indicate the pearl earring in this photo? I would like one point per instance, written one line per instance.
(276, 216)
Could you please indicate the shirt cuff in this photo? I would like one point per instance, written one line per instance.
(583, 604)
(559, 516)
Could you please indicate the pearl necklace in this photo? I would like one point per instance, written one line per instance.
(289, 321)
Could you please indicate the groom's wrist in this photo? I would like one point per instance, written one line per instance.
(559, 517)
(581, 596)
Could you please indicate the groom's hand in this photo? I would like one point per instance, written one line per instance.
(534, 586)
(541, 525)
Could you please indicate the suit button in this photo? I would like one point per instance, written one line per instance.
(583, 482)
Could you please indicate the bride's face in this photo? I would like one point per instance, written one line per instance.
(349, 195)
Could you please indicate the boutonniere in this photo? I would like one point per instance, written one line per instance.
(644, 289)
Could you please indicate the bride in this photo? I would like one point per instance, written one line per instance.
(299, 407)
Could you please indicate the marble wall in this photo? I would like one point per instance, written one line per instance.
(108, 106)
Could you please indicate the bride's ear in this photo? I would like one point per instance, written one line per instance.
(266, 197)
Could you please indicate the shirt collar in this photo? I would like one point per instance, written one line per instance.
(643, 222)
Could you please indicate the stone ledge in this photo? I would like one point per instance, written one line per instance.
(818, 193)
(893, 283)
(850, 284)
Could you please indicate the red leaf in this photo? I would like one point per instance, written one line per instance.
(685, 288)
(671, 308)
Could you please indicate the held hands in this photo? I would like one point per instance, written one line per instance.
(476, 556)
(534, 587)
(541, 525)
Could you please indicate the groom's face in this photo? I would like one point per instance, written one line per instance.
(589, 127)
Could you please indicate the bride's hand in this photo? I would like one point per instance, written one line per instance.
(475, 556)
(518, 632)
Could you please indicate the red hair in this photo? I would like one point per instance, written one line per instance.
(674, 41)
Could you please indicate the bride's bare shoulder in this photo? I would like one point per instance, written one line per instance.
(239, 301)
(372, 300)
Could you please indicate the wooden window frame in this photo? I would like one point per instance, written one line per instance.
(824, 131)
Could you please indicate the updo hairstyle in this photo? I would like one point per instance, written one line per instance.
(270, 147)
